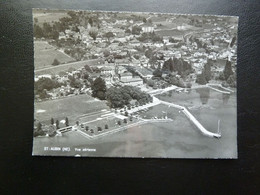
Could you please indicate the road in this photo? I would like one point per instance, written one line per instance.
(64, 65)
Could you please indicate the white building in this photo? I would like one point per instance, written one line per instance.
(132, 81)
(146, 28)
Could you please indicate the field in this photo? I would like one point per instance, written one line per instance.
(48, 17)
(71, 107)
(44, 55)
(174, 33)
(53, 70)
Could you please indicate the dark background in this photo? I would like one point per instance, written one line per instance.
(22, 173)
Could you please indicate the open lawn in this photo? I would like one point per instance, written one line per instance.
(170, 33)
(71, 107)
(49, 17)
(44, 55)
(53, 70)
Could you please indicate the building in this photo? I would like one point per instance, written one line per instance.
(146, 28)
(62, 35)
(107, 70)
(128, 79)
(132, 81)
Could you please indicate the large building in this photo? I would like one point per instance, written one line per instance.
(128, 79)
(146, 28)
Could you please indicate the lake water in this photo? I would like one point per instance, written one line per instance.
(177, 139)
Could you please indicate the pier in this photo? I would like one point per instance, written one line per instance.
(193, 120)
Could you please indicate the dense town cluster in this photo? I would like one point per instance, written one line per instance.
(157, 50)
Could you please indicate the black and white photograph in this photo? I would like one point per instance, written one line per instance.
(134, 84)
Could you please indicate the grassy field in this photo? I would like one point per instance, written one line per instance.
(47, 16)
(44, 55)
(71, 107)
(53, 70)
(170, 33)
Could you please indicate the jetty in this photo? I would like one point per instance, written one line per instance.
(193, 120)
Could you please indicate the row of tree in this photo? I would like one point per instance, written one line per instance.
(48, 31)
(227, 75)
(177, 65)
(45, 84)
(150, 37)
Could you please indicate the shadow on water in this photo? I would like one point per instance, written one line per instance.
(204, 94)
(225, 98)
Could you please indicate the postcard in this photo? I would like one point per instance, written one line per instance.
(134, 84)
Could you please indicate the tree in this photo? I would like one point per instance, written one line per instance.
(106, 126)
(207, 71)
(75, 83)
(39, 126)
(43, 94)
(179, 65)
(126, 113)
(90, 21)
(55, 62)
(47, 30)
(157, 73)
(119, 122)
(128, 31)
(149, 53)
(37, 31)
(66, 121)
(88, 68)
(232, 81)
(99, 88)
(85, 75)
(188, 85)
(109, 35)
(150, 82)
(118, 97)
(221, 76)
(152, 61)
(62, 73)
(106, 53)
(52, 121)
(233, 41)
(45, 83)
(125, 121)
(57, 124)
(35, 20)
(227, 70)
(93, 33)
(136, 30)
(201, 79)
